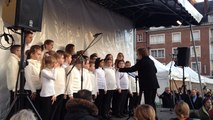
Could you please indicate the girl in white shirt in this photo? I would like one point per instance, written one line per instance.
(134, 98)
(93, 79)
(111, 85)
(102, 88)
(32, 71)
(47, 94)
(122, 86)
(59, 84)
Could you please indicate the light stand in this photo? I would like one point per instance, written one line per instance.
(80, 57)
(136, 82)
(21, 95)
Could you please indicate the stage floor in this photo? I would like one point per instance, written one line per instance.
(163, 114)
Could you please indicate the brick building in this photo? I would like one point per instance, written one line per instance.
(163, 42)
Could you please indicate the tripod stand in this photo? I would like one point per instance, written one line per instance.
(21, 95)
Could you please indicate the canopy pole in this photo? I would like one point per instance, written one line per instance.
(196, 59)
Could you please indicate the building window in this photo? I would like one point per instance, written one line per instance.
(194, 66)
(158, 53)
(197, 49)
(196, 35)
(176, 37)
(210, 18)
(139, 37)
(157, 39)
(174, 51)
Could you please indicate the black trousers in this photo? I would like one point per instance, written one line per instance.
(149, 96)
(118, 103)
(36, 101)
(58, 109)
(11, 96)
(100, 100)
(133, 101)
(46, 107)
(108, 100)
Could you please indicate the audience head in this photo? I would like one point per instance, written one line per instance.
(34, 52)
(167, 90)
(145, 112)
(182, 110)
(193, 92)
(48, 45)
(194, 115)
(141, 53)
(28, 37)
(207, 103)
(70, 48)
(99, 63)
(84, 94)
(16, 49)
(120, 64)
(24, 115)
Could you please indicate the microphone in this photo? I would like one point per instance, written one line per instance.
(97, 34)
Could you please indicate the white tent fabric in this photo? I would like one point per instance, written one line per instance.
(75, 21)
(191, 74)
(162, 75)
(177, 72)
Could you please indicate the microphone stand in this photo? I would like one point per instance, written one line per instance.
(93, 42)
(136, 82)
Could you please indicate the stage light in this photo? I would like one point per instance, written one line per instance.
(178, 22)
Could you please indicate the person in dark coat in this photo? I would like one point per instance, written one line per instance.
(148, 82)
(167, 98)
(81, 107)
(195, 102)
(204, 110)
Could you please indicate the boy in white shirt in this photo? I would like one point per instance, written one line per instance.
(93, 79)
(87, 83)
(13, 69)
(111, 86)
(67, 60)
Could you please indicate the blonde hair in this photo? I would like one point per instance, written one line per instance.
(144, 112)
(24, 115)
(182, 109)
(48, 58)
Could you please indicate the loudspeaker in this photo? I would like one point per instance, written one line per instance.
(25, 14)
(183, 56)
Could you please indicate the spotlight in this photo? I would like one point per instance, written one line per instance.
(178, 22)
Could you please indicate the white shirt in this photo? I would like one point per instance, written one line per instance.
(65, 65)
(122, 80)
(94, 83)
(27, 47)
(48, 77)
(87, 83)
(32, 71)
(110, 78)
(101, 80)
(60, 81)
(74, 81)
(12, 71)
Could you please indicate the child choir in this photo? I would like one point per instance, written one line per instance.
(52, 78)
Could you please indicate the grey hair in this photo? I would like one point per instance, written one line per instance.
(24, 114)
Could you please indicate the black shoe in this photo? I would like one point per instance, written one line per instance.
(123, 115)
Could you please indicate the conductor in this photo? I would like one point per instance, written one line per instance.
(148, 82)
